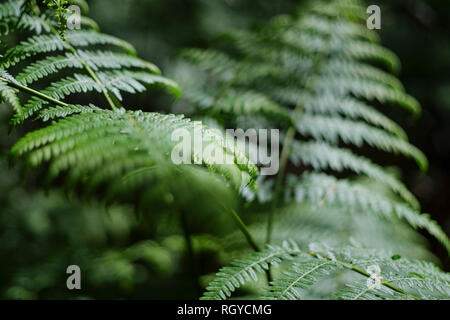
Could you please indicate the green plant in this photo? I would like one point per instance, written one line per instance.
(313, 75)
(138, 142)
(321, 76)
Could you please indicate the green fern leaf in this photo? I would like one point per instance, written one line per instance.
(9, 94)
(323, 156)
(331, 129)
(351, 108)
(320, 189)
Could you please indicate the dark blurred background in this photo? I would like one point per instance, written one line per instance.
(113, 245)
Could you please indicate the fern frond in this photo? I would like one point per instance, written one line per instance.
(40, 44)
(9, 94)
(320, 189)
(336, 224)
(96, 60)
(371, 52)
(33, 46)
(322, 88)
(32, 23)
(242, 271)
(345, 28)
(353, 49)
(222, 66)
(70, 142)
(358, 70)
(89, 24)
(74, 58)
(9, 9)
(132, 82)
(59, 90)
(312, 75)
(115, 81)
(298, 277)
(10, 13)
(367, 89)
(82, 38)
(351, 108)
(111, 60)
(77, 84)
(350, 9)
(324, 156)
(62, 112)
(43, 68)
(333, 129)
(424, 280)
(238, 103)
(407, 279)
(214, 61)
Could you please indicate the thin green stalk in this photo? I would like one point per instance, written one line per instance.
(244, 229)
(366, 274)
(279, 180)
(190, 252)
(287, 142)
(33, 92)
(242, 226)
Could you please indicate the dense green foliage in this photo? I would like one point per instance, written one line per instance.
(319, 75)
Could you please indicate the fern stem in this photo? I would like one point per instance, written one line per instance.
(33, 92)
(279, 180)
(245, 231)
(366, 274)
(251, 241)
(94, 76)
(385, 283)
(289, 138)
(190, 253)
(89, 70)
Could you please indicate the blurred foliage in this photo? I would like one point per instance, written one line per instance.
(122, 255)
(43, 232)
